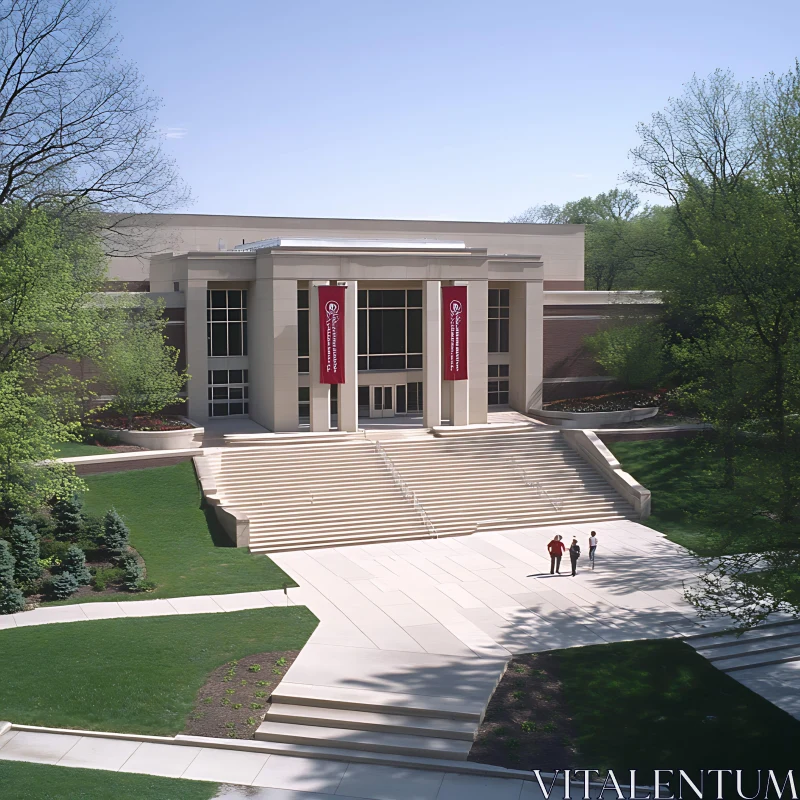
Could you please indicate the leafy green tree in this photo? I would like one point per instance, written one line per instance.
(140, 369)
(67, 514)
(633, 354)
(25, 545)
(74, 562)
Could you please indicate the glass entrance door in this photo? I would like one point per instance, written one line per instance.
(381, 401)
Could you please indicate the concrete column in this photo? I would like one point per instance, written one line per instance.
(348, 391)
(320, 393)
(431, 353)
(197, 349)
(272, 345)
(526, 335)
(478, 351)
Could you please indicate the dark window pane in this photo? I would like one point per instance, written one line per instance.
(303, 394)
(246, 376)
(303, 410)
(415, 298)
(503, 371)
(377, 397)
(504, 295)
(209, 392)
(246, 408)
(234, 314)
(218, 299)
(414, 330)
(220, 393)
(302, 333)
(375, 332)
(414, 362)
(236, 394)
(246, 395)
(219, 316)
(375, 298)
(494, 336)
(363, 396)
(503, 386)
(503, 323)
(387, 397)
(493, 387)
(502, 399)
(302, 298)
(494, 313)
(394, 331)
(220, 376)
(234, 299)
(375, 362)
(303, 365)
(494, 297)
(244, 338)
(210, 410)
(235, 376)
(219, 339)
(362, 332)
(504, 313)
(362, 363)
(394, 362)
(400, 401)
(236, 408)
(362, 298)
(492, 370)
(244, 298)
(234, 338)
(394, 298)
(220, 410)
(209, 376)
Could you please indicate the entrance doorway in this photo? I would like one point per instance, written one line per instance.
(382, 401)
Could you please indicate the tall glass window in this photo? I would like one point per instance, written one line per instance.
(498, 384)
(226, 322)
(389, 329)
(498, 320)
(227, 392)
(303, 361)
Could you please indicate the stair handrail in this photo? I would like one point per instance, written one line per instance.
(537, 486)
(407, 491)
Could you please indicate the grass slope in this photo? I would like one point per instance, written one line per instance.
(132, 675)
(76, 449)
(23, 781)
(689, 503)
(658, 704)
(185, 550)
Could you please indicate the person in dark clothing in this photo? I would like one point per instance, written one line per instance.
(574, 555)
(556, 549)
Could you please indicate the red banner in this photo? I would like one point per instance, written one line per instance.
(331, 334)
(454, 334)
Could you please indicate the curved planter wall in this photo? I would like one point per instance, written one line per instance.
(592, 419)
(164, 440)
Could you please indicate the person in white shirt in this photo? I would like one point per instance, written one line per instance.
(592, 547)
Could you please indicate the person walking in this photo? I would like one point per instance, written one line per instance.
(556, 549)
(592, 547)
(574, 555)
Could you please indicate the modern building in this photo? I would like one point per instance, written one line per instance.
(243, 299)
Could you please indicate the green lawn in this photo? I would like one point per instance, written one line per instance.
(185, 550)
(23, 781)
(76, 449)
(658, 704)
(689, 503)
(137, 675)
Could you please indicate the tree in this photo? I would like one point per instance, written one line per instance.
(634, 354)
(549, 214)
(6, 564)
(117, 534)
(74, 562)
(25, 544)
(77, 125)
(140, 369)
(68, 517)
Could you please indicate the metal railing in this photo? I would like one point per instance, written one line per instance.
(406, 490)
(537, 486)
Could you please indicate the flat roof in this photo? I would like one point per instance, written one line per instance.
(351, 244)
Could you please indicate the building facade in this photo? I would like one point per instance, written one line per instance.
(242, 298)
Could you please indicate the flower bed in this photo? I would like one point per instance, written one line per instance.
(152, 432)
(617, 401)
(116, 422)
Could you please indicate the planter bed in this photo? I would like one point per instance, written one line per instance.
(604, 410)
(153, 433)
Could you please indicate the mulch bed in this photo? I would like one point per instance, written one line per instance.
(141, 422)
(235, 698)
(617, 401)
(528, 723)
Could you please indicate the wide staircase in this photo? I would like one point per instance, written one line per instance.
(768, 644)
(326, 493)
(499, 480)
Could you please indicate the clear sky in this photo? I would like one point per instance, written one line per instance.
(429, 109)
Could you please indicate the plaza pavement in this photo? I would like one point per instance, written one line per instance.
(430, 617)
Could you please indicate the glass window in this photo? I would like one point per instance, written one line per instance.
(400, 400)
(302, 298)
(498, 389)
(414, 298)
(389, 332)
(227, 322)
(227, 392)
(499, 312)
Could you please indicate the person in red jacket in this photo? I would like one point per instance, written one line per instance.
(556, 549)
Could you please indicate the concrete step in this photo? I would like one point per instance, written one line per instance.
(775, 630)
(370, 699)
(759, 659)
(375, 741)
(374, 720)
(769, 644)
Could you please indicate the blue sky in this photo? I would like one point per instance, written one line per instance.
(445, 109)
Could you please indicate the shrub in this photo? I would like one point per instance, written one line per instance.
(63, 586)
(67, 518)
(50, 549)
(133, 572)
(93, 531)
(11, 600)
(117, 534)
(74, 563)
(634, 354)
(99, 436)
(25, 545)
(105, 576)
(7, 561)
